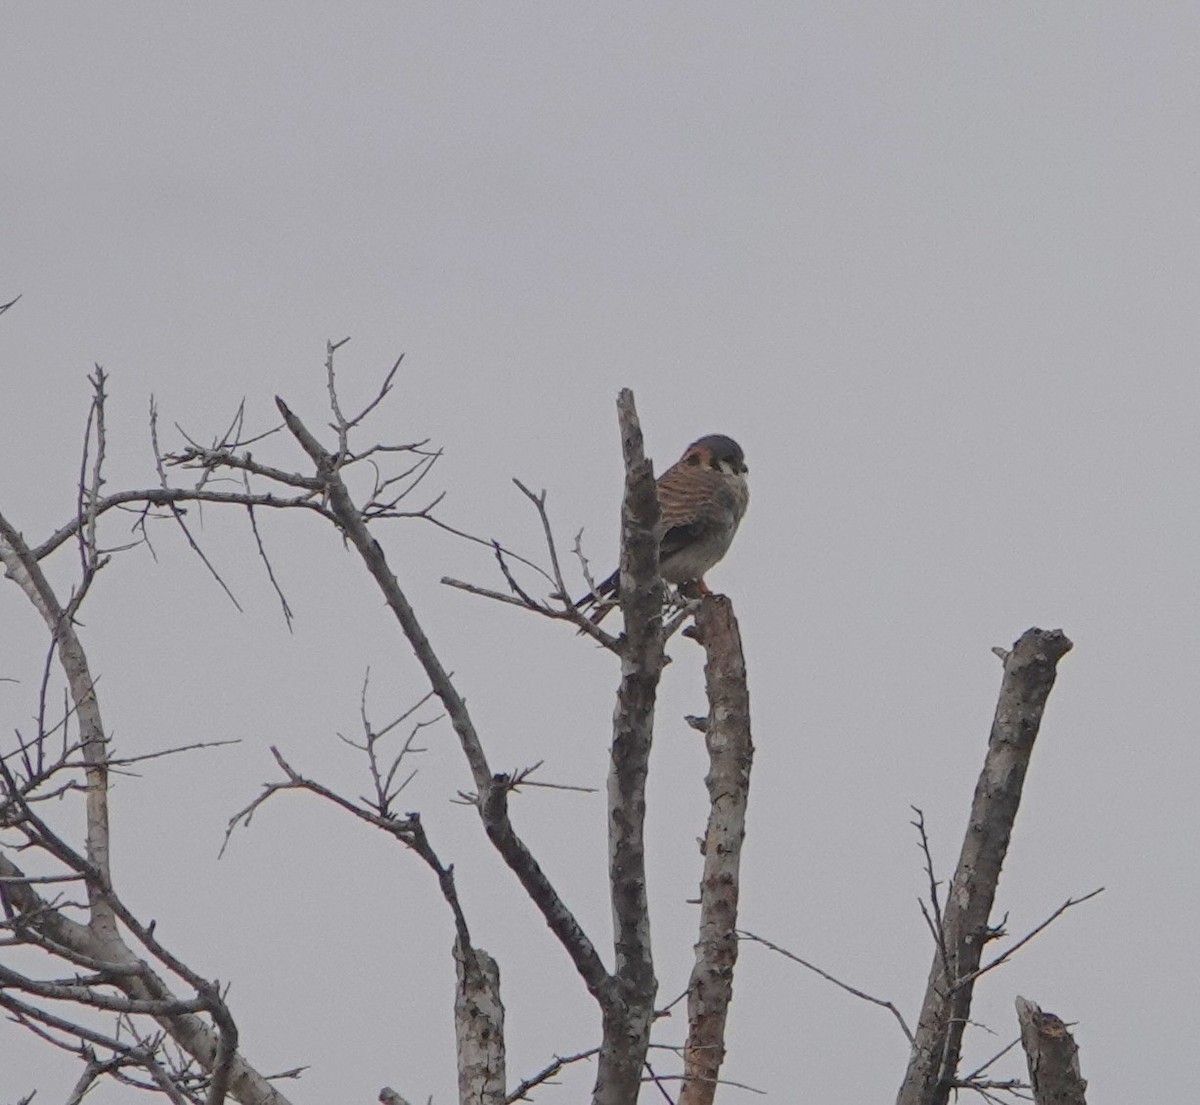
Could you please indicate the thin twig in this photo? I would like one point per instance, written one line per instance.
(547, 1073)
(934, 922)
(995, 1058)
(744, 935)
(1011, 951)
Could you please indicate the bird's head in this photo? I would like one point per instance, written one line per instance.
(719, 452)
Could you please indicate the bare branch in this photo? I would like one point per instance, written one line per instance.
(1010, 952)
(170, 497)
(384, 781)
(716, 1082)
(513, 585)
(572, 615)
(88, 995)
(339, 421)
(352, 524)
(492, 792)
(25, 570)
(546, 1075)
(933, 916)
(658, 1083)
(142, 1054)
(569, 611)
(743, 935)
(585, 566)
(89, 492)
(541, 891)
(489, 542)
(539, 502)
(295, 781)
(262, 554)
(385, 387)
(178, 516)
(1029, 673)
(979, 1070)
(227, 1043)
(101, 941)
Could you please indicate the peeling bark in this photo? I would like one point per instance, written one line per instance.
(1029, 673)
(731, 752)
(478, 1028)
(1052, 1055)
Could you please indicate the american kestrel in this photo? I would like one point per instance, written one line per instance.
(701, 500)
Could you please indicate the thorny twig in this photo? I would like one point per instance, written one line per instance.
(547, 1073)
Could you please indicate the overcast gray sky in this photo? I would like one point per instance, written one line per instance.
(933, 265)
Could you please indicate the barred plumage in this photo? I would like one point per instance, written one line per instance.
(702, 497)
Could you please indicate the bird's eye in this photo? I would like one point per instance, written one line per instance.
(694, 459)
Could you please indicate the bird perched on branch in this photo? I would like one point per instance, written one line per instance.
(701, 500)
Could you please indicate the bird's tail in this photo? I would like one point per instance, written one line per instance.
(600, 601)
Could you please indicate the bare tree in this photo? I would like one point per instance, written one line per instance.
(136, 1013)
(172, 1030)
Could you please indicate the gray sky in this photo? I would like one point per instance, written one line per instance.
(934, 266)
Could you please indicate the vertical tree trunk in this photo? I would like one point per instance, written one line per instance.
(731, 752)
(628, 1003)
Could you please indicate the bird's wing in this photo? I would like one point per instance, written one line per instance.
(689, 500)
(687, 496)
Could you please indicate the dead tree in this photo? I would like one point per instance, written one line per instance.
(1052, 1056)
(962, 928)
(959, 918)
(193, 1053)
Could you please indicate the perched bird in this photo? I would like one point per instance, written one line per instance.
(701, 500)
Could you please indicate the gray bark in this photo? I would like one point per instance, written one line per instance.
(135, 978)
(730, 752)
(628, 1008)
(1052, 1055)
(100, 940)
(1029, 672)
(478, 1028)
